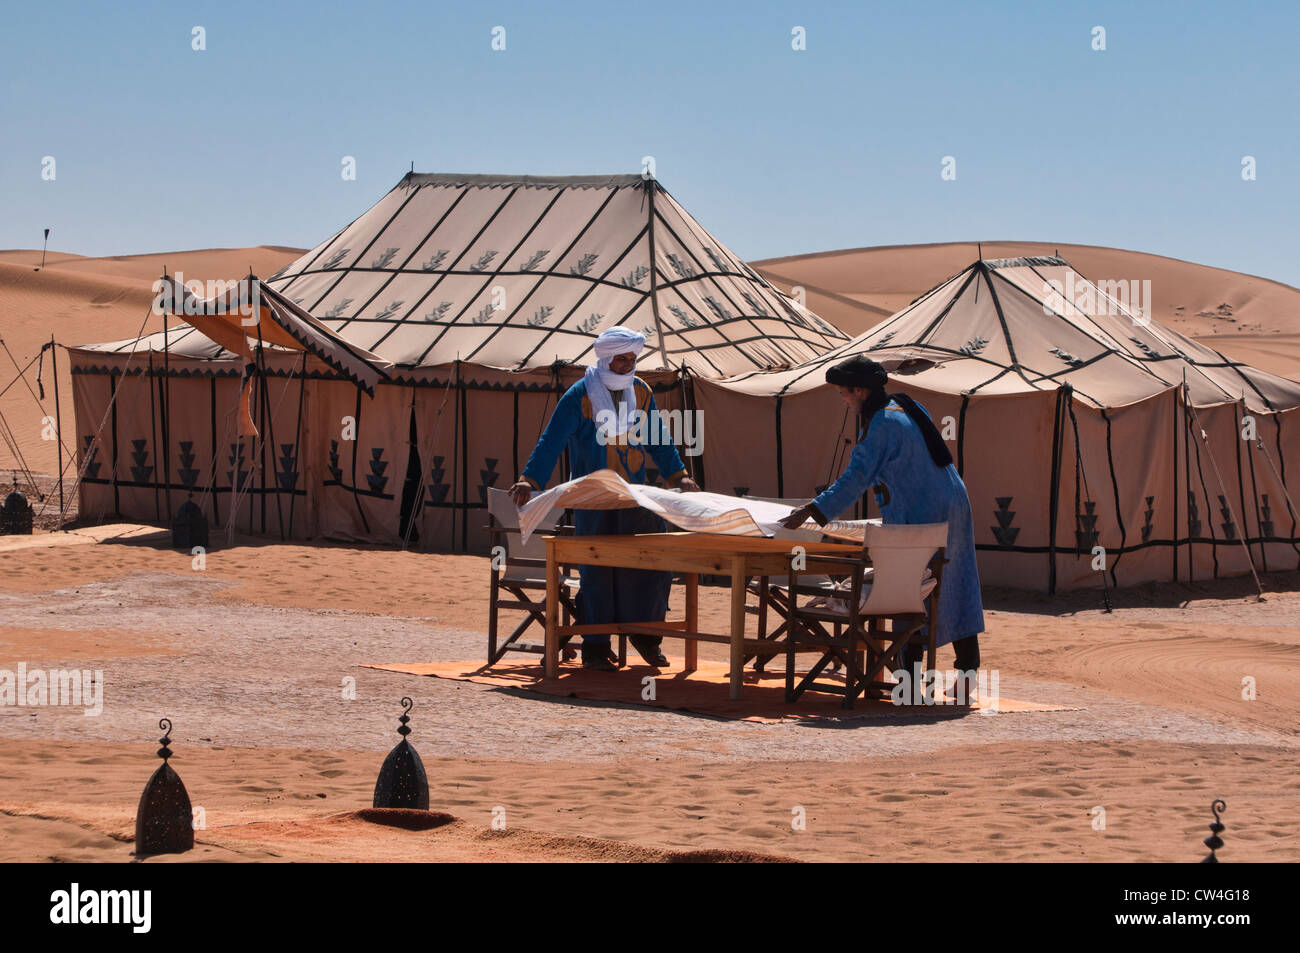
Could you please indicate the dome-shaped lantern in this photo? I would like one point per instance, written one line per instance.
(189, 526)
(164, 821)
(16, 513)
(402, 781)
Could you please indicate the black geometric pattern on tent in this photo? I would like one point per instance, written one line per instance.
(1005, 533)
(437, 488)
(550, 272)
(488, 478)
(376, 475)
(761, 301)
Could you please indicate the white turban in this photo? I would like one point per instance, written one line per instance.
(618, 341)
(601, 380)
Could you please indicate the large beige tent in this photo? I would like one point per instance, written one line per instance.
(405, 365)
(1075, 421)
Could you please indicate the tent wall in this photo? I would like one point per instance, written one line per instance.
(170, 437)
(1138, 477)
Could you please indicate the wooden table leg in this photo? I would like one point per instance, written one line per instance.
(737, 625)
(552, 648)
(692, 620)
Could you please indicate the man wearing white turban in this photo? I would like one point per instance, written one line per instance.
(595, 421)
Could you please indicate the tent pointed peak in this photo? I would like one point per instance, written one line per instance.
(993, 264)
(481, 180)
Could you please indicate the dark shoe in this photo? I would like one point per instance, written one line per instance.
(648, 647)
(599, 660)
(654, 657)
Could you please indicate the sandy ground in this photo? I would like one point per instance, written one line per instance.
(252, 656)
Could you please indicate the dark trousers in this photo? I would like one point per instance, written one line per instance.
(610, 594)
(967, 649)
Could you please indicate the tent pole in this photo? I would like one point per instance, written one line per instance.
(1054, 493)
(780, 472)
(651, 187)
(58, 421)
(153, 439)
(1174, 546)
(1241, 536)
(165, 399)
(356, 439)
(114, 383)
(212, 420)
(464, 461)
(297, 441)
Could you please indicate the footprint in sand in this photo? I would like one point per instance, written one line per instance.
(1038, 792)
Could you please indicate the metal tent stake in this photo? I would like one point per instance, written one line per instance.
(402, 781)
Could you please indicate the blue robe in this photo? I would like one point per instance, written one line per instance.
(894, 453)
(609, 594)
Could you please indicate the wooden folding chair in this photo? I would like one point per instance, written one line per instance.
(773, 591)
(519, 571)
(896, 580)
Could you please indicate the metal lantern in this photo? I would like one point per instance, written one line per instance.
(402, 781)
(1214, 841)
(16, 513)
(189, 526)
(164, 822)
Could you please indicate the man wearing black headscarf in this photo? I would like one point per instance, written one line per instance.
(902, 454)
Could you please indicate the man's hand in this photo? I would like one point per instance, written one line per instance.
(798, 517)
(687, 485)
(520, 492)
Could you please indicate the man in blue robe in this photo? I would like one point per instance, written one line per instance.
(595, 420)
(902, 455)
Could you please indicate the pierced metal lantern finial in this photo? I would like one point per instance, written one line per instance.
(189, 526)
(16, 513)
(164, 821)
(402, 781)
(1214, 841)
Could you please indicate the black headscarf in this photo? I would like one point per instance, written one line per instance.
(862, 371)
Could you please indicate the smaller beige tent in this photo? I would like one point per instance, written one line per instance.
(1087, 435)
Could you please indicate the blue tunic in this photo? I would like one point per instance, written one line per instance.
(894, 453)
(608, 594)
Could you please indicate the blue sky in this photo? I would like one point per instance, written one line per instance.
(159, 147)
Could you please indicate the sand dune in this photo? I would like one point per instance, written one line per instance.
(86, 301)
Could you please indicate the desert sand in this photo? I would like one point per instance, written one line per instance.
(249, 657)
(88, 301)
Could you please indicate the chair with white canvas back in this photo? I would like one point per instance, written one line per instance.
(518, 571)
(897, 580)
(773, 591)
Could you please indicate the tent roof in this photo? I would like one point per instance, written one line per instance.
(1013, 325)
(224, 327)
(519, 272)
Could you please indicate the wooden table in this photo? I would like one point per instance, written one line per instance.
(691, 554)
